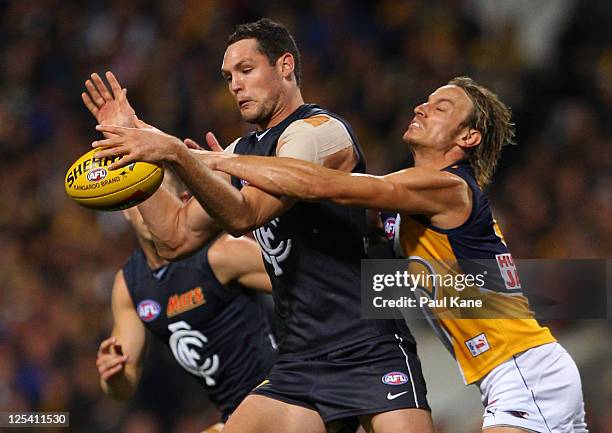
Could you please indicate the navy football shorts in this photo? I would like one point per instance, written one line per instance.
(377, 375)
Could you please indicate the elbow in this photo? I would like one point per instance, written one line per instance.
(239, 227)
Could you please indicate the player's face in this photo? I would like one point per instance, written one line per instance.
(437, 122)
(252, 81)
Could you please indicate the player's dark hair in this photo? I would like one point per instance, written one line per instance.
(273, 41)
(491, 118)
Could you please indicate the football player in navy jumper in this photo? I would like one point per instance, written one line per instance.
(333, 364)
(199, 308)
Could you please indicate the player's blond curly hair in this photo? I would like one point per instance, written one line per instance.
(492, 118)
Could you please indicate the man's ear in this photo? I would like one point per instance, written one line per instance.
(469, 138)
(286, 63)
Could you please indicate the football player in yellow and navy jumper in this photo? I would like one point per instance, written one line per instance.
(528, 382)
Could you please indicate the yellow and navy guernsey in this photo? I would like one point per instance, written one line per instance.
(479, 338)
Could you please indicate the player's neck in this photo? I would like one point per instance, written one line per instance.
(287, 106)
(153, 259)
(434, 158)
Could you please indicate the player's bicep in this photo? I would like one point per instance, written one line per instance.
(425, 190)
(128, 329)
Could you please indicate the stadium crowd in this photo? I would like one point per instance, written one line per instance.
(551, 61)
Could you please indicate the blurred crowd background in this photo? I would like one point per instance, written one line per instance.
(369, 61)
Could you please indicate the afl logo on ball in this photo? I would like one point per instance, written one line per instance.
(97, 174)
(395, 378)
(148, 310)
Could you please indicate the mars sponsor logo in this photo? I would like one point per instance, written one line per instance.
(97, 174)
(395, 378)
(148, 310)
(178, 304)
(88, 164)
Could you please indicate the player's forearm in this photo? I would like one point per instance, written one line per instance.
(224, 203)
(287, 177)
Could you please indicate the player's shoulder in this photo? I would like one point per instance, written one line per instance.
(232, 146)
(321, 123)
(226, 249)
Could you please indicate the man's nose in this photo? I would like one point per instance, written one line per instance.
(420, 110)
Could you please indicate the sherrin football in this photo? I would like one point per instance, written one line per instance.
(90, 183)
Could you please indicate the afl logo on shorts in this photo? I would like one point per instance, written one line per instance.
(148, 310)
(97, 174)
(395, 378)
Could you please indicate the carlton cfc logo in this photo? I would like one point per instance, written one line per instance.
(395, 378)
(148, 310)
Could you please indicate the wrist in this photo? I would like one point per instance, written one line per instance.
(222, 162)
(178, 151)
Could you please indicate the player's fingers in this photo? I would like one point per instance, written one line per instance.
(101, 87)
(118, 93)
(126, 160)
(113, 153)
(89, 103)
(93, 92)
(116, 130)
(192, 144)
(110, 373)
(111, 143)
(213, 143)
(112, 370)
(106, 362)
(106, 344)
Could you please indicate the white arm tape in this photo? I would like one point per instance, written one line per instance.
(313, 139)
(230, 149)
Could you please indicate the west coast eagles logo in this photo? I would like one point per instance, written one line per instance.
(186, 344)
(274, 251)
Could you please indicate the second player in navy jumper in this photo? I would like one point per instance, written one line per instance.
(199, 308)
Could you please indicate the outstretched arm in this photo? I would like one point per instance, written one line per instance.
(319, 139)
(239, 260)
(416, 190)
(119, 357)
(237, 212)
